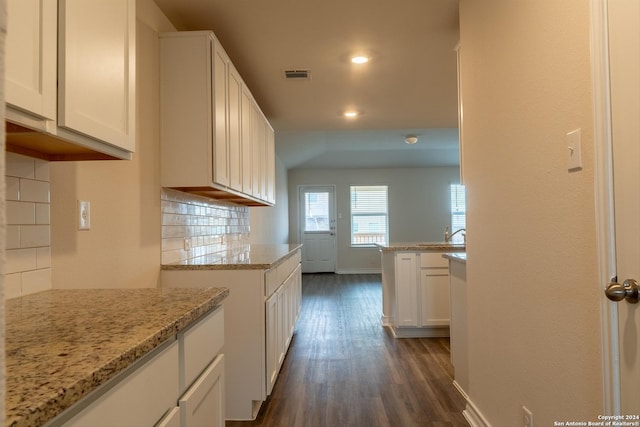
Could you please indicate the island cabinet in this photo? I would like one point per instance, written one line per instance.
(70, 79)
(261, 312)
(181, 383)
(215, 141)
(415, 293)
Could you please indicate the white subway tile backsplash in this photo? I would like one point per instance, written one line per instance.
(43, 213)
(20, 166)
(43, 257)
(41, 170)
(20, 260)
(13, 188)
(34, 236)
(214, 227)
(28, 242)
(13, 237)
(21, 213)
(12, 285)
(34, 191)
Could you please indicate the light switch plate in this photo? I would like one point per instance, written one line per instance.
(574, 150)
(84, 215)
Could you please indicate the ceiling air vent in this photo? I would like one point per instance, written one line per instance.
(297, 74)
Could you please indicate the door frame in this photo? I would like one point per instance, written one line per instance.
(334, 213)
(605, 224)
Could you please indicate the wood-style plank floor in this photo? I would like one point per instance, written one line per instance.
(344, 369)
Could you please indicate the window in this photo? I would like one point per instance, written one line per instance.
(458, 211)
(316, 211)
(369, 215)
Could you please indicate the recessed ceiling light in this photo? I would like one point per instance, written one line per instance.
(360, 59)
(411, 139)
(351, 114)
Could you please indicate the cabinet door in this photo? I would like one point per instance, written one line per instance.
(407, 289)
(272, 340)
(270, 156)
(96, 69)
(31, 46)
(434, 297)
(257, 165)
(235, 129)
(220, 137)
(247, 141)
(203, 404)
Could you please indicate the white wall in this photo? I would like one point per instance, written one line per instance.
(533, 317)
(418, 207)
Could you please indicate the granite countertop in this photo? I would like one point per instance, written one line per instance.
(421, 246)
(62, 344)
(245, 257)
(456, 256)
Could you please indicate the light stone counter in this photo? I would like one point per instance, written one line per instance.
(456, 256)
(62, 344)
(245, 257)
(421, 246)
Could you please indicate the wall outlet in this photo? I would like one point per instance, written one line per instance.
(527, 417)
(187, 243)
(84, 215)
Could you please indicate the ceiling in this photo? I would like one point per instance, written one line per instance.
(407, 88)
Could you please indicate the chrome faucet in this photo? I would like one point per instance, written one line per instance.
(448, 236)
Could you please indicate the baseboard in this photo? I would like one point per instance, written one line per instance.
(359, 271)
(406, 332)
(473, 415)
(471, 412)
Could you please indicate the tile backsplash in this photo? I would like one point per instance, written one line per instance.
(28, 244)
(209, 227)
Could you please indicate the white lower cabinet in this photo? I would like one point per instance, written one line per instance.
(140, 399)
(261, 312)
(416, 293)
(282, 309)
(180, 384)
(203, 404)
(434, 290)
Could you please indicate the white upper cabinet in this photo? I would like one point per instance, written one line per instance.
(213, 134)
(246, 141)
(71, 78)
(235, 128)
(96, 70)
(31, 57)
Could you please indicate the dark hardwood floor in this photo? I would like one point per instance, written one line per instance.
(344, 369)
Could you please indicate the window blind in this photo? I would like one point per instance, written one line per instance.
(369, 215)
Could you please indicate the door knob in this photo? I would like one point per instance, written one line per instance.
(627, 290)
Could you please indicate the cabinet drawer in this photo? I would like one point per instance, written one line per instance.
(139, 399)
(199, 345)
(271, 282)
(433, 260)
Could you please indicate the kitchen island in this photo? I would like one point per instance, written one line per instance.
(261, 313)
(62, 345)
(415, 288)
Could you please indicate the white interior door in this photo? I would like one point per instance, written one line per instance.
(624, 68)
(318, 229)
